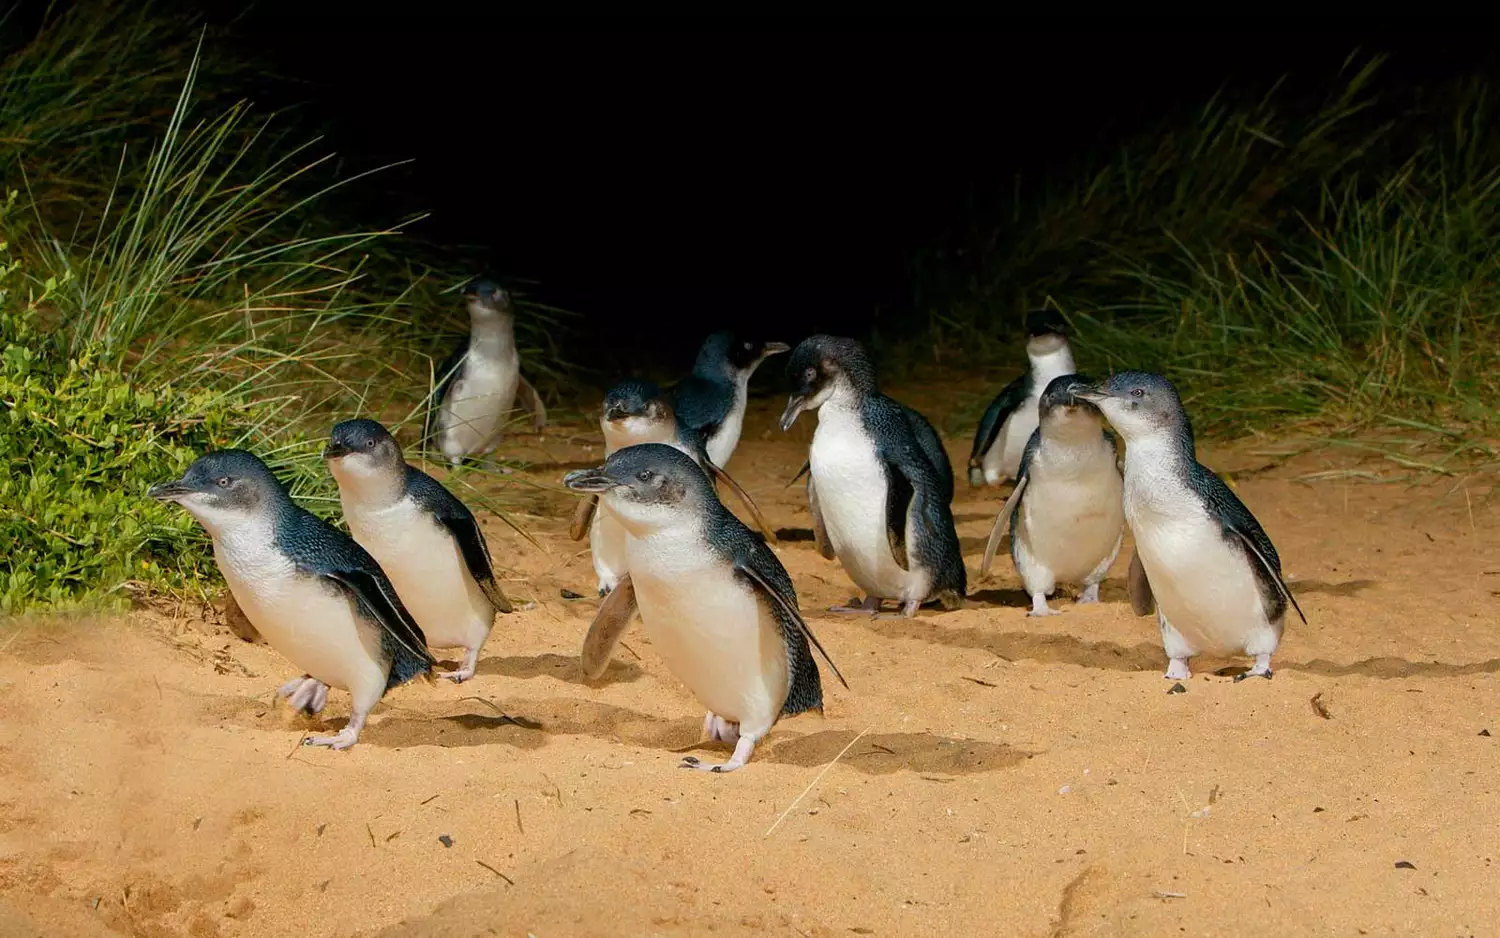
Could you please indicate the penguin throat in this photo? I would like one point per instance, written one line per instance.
(1049, 360)
(491, 334)
(370, 486)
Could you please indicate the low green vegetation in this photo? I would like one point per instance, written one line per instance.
(171, 285)
(1290, 260)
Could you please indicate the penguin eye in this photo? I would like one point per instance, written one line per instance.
(645, 475)
(370, 443)
(810, 375)
(1137, 392)
(222, 482)
(748, 346)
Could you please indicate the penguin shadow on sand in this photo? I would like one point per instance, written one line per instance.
(559, 667)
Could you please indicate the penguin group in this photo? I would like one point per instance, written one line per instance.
(362, 611)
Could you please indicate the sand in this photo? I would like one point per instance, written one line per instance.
(1008, 775)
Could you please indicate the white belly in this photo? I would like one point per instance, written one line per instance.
(1072, 514)
(476, 408)
(607, 547)
(851, 487)
(1201, 582)
(313, 624)
(426, 566)
(721, 445)
(1003, 461)
(711, 630)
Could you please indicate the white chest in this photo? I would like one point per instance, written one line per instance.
(710, 629)
(1072, 513)
(722, 444)
(851, 485)
(475, 409)
(427, 568)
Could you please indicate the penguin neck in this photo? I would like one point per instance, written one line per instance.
(1072, 431)
(492, 335)
(845, 398)
(1049, 364)
(1164, 450)
(371, 490)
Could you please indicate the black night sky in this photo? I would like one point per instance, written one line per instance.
(760, 180)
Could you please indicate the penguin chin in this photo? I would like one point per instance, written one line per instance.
(1045, 344)
(639, 518)
(210, 512)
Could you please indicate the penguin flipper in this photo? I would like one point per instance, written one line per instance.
(898, 496)
(806, 468)
(377, 598)
(1142, 602)
(1012, 396)
(820, 531)
(1236, 518)
(610, 622)
(753, 564)
(530, 400)
(932, 447)
(583, 516)
(463, 527)
(925, 523)
(1002, 525)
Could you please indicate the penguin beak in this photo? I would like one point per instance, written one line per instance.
(794, 407)
(615, 412)
(1092, 395)
(335, 450)
(775, 348)
(168, 491)
(589, 480)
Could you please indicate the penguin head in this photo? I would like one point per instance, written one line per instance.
(636, 411)
(648, 487)
(820, 367)
(739, 354)
(1061, 409)
(360, 450)
(486, 299)
(1047, 332)
(1138, 404)
(223, 488)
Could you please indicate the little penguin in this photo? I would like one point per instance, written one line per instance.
(716, 602)
(1065, 517)
(314, 594)
(1008, 422)
(637, 411)
(426, 540)
(481, 381)
(874, 485)
(1204, 561)
(712, 398)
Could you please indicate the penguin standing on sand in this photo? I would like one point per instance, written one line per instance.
(1065, 518)
(1008, 422)
(481, 381)
(314, 594)
(712, 398)
(427, 542)
(1204, 561)
(873, 484)
(719, 607)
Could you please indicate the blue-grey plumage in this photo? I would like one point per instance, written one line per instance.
(314, 594)
(719, 607)
(1211, 571)
(481, 381)
(425, 539)
(882, 502)
(712, 398)
(1065, 516)
(1008, 422)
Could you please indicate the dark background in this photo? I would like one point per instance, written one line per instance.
(666, 183)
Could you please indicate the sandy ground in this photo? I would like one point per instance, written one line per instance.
(1014, 776)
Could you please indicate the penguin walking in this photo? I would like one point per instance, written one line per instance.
(481, 381)
(873, 484)
(426, 540)
(1065, 517)
(1008, 422)
(636, 411)
(719, 607)
(1204, 562)
(313, 593)
(712, 398)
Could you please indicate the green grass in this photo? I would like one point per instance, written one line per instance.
(171, 285)
(1312, 263)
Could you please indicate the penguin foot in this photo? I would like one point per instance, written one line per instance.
(908, 610)
(466, 670)
(742, 751)
(1177, 670)
(344, 738)
(717, 728)
(1262, 669)
(1090, 594)
(305, 693)
(1039, 606)
(869, 607)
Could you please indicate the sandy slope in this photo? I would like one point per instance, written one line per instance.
(1015, 776)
